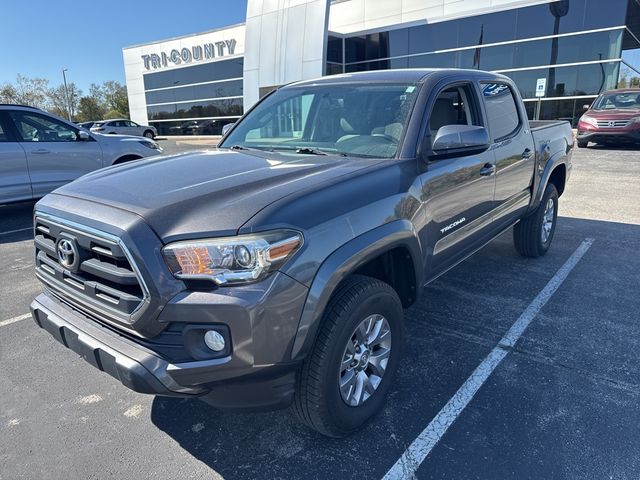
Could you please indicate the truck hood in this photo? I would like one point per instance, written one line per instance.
(207, 193)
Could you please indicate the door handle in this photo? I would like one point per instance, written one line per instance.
(526, 153)
(41, 151)
(487, 170)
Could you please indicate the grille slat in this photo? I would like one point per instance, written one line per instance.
(101, 281)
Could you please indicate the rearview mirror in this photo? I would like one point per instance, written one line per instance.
(453, 140)
(83, 135)
(227, 127)
(586, 107)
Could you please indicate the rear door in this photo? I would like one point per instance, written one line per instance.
(55, 154)
(15, 184)
(458, 192)
(513, 148)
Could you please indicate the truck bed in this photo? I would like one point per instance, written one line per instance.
(535, 125)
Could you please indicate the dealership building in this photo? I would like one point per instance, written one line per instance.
(196, 83)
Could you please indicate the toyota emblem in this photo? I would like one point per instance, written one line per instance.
(67, 254)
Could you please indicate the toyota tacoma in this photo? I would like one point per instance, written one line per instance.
(274, 270)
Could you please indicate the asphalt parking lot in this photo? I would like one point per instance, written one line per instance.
(564, 402)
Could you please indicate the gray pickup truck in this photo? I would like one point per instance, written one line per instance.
(274, 271)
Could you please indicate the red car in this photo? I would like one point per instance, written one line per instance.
(614, 117)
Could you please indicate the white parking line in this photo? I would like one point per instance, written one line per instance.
(15, 319)
(16, 231)
(412, 458)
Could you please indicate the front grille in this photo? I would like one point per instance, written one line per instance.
(613, 123)
(88, 269)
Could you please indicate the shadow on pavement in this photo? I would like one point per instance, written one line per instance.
(16, 219)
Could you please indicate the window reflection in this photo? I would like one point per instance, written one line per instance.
(213, 108)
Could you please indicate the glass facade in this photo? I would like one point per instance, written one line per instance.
(554, 40)
(195, 100)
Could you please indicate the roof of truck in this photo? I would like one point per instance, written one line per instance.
(406, 75)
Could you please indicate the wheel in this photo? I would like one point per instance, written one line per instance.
(345, 378)
(532, 235)
(148, 134)
(582, 144)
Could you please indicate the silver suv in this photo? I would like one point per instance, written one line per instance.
(124, 127)
(40, 152)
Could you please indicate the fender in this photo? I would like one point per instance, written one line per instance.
(553, 162)
(343, 262)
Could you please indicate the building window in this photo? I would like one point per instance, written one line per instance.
(204, 72)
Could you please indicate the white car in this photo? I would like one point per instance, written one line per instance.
(40, 152)
(123, 127)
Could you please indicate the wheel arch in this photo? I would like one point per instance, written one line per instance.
(126, 158)
(556, 172)
(381, 253)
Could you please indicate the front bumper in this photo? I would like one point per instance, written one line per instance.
(609, 136)
(220, 382)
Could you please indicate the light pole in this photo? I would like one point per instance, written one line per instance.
(66, 93)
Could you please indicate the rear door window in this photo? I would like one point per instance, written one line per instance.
(502, 110)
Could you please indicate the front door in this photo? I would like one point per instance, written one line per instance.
(55, 153)
(458, 192)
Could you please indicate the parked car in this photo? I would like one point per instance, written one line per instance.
(124, 127)
(198, 127)
(274, 270)
(39, 152)
(86, 125)
(613, 118)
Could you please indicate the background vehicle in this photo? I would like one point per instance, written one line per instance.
(123, 127)
(197, 127)
(39, 152)
(86, 125)
(613, 118)
(274, 271)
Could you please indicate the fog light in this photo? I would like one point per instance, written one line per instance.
(214, 340)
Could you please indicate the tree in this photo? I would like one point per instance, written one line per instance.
(31, 91)
(58, 100)
(113, 96)
(89, 109)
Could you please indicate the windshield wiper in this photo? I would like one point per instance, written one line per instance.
(310, 151)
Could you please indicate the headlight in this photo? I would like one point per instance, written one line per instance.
(590, 120)
(150, 144)
(232, 260)
(635, 120)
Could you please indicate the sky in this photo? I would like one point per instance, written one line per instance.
(41, 37)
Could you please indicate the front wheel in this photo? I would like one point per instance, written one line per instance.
(532, 235)
(346, 377)
(149, 134)
(583, 144)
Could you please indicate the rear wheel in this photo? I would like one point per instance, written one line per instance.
(532, 235)
(148, 134)
(347, 375)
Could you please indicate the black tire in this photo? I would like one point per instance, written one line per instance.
(583, 144)
(527, 233)
(318, 402)
(148, 134)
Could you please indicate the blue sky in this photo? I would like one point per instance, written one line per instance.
(40, 37)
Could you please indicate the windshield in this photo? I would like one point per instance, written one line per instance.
(610, 101)
(356, 119)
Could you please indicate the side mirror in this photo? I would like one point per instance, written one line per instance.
(586, 107)
(83, 135)
(452, 140)
(227, 127)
